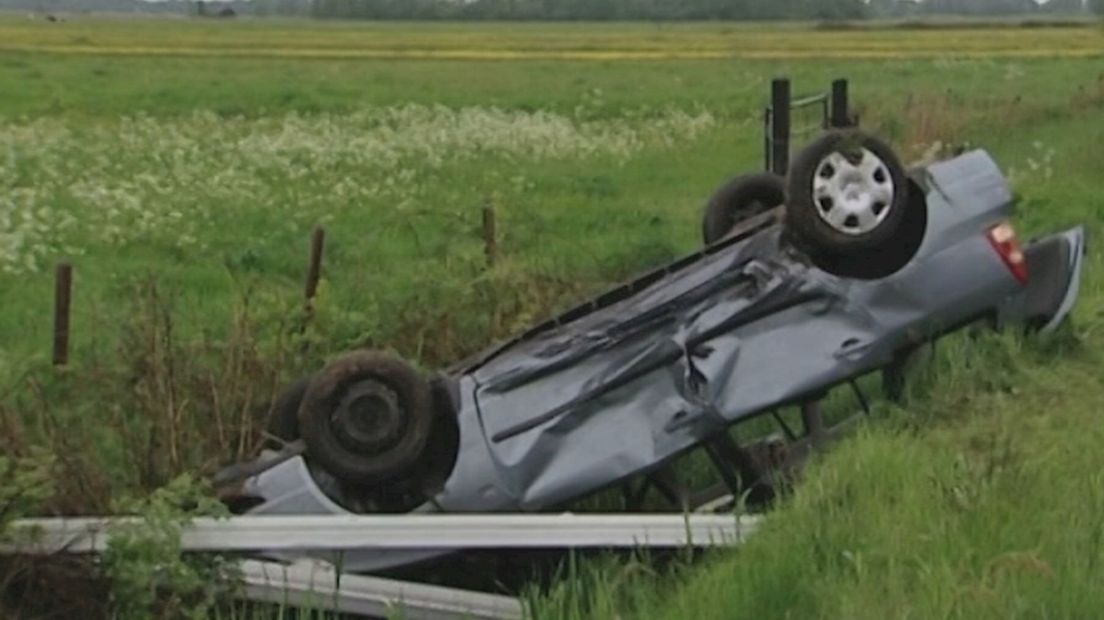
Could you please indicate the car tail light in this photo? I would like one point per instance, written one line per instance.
(1003, 238)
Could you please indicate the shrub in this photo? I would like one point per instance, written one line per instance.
(150, 575)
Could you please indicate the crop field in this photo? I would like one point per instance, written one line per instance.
(565, 41)
(181, 166)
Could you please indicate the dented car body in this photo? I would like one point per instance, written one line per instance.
(624, 384)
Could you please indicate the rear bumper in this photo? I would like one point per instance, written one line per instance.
(1054, 267)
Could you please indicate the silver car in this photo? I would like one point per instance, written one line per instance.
(842, 269)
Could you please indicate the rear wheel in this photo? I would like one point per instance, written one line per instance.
(887, 259)
(366, 418)
(846, 192)
(737, 200)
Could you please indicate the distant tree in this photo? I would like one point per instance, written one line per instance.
(578, 9)
(1097, 6)
(835, 9)
(1063, 6)
(884, 8)
(979, 7)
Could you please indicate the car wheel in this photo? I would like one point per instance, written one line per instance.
(890, 257)
(367, 417)
(846, 192)
(283, 422)
(738, 199)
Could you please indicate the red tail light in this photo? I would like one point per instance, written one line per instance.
(1003, 238)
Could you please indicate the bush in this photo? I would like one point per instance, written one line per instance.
(25, 483)
(150, 576)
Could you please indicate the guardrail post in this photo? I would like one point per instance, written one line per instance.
(780, 125)
(63, 296)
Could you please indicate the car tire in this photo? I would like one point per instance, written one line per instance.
(366, 418)
(737, 200)
(846, 192)
(283, 422)
(890, 257)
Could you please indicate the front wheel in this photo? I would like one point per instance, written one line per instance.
(367, 417)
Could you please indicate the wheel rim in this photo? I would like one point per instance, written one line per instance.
(369, 418)
(853, 194)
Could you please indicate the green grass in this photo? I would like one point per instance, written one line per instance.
(184, 188)
(981, 501)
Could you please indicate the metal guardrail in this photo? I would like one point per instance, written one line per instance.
(440, 531)
(319, 586)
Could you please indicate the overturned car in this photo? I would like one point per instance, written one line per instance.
(841, 269)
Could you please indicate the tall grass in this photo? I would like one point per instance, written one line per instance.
(976, 502)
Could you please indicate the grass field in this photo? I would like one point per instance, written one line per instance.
(181, 165)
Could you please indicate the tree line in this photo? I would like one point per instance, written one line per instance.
(674, 10)
(654, 10)
(592, 9)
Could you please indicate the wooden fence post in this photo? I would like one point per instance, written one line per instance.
(314, 269)
(63, 297)
(490, 235)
